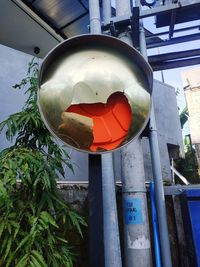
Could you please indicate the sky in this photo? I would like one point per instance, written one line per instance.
(173, 76)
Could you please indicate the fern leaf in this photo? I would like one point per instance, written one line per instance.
(39, 258)
(25, 240)
(23, 261)
(9, 243)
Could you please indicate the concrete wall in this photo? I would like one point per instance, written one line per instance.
(13, 68)
(169, 129)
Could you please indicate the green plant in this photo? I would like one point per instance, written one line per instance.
(34, 219)
(188, 166)
(183, 116)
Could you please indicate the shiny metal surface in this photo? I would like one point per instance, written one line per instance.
(88, 69)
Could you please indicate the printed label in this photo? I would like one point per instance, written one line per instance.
(133, 211)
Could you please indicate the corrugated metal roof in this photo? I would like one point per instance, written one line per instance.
(79, 27)
(60, 12)
(69, 17)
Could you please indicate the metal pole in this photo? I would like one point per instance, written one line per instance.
(95, 200)
(174, 64)
(174, 55)
(155, 226)
(159, 193)
(112, 252)
(106, 4)
(157, 171)
(175, 40)
(95, 19)
(123, 7)
(136, 226)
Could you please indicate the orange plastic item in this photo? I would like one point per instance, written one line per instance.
(111, 120)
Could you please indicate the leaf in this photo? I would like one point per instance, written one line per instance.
(62, 240)
(1, 228)
(16, 232)
(10, 259)
(70, 166)
(23, 261)
(4, 244)
(9, 228)
(23, 242)
(31, 264)
(58, 200)
(9, 243)
(39, 258)
(45, 200)
(76, 221)
(45, 216)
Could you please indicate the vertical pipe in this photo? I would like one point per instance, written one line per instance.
(155, 226)
(123, 7)
(157, 172)
(112, 252)
(95, 19)
(159, 193)
(162, 74)
(95, 199)
(136, 225)
(96, 246)
(173, 175)
(106, 4)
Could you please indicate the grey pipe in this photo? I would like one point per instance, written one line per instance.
(112, 252)
(159, 193)
(157, 171)
(123, 7)
(106, 4)
(95, 19)
(136, 226)
(137, 250)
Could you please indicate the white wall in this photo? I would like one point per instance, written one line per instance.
(13, 67)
